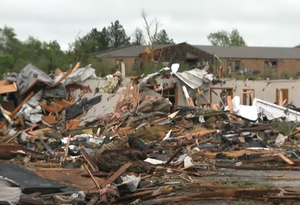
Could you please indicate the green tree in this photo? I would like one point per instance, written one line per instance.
(163, 38)
(15, 54)
(224, 38)
(9, 44)
(92, 42)
(8, 40)
(117, 35)
(138, 37)
(6, 62)
(81, 48)
(98, 40)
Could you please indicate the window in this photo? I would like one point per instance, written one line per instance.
(171, 94)
(229, 66)
(136, 61)
(248, 96)
(220, 94)
(282, 96)
(118, 61)
(237, 65)
(271, 64)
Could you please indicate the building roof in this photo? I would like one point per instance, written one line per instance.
(252, 52)
(220, 51)
(128, 51)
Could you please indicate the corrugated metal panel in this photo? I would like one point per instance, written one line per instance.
(194, 78)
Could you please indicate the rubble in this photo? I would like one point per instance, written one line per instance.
(73, 138)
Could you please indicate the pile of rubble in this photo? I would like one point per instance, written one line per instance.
(73, 138)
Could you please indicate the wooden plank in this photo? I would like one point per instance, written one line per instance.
(6, 112)
(47, 107)
(72, 124)
(9, 88)
(51, 108)
(35, 132)
(6, 150)
(58, 71)
(93, 178)
(88, 159)
(67, 146)
(287, 160)
(230, 106)
(50, 119)
(3, 82)
(65, 103)
(67, 74)
(118, 173)
(94, 200)
(16, 110)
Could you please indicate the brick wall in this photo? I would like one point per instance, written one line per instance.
(129, 62)
(290, 67)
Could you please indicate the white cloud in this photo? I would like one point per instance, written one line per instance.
(260, 22)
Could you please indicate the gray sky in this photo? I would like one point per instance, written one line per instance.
(260, 22)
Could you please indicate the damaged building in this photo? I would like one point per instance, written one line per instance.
(276, 61)
(166, 138)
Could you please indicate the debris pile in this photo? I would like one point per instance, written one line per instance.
(73, 138)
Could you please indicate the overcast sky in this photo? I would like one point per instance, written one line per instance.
(260, 22)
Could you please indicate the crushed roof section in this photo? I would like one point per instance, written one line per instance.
(194, 78)
(252, 52)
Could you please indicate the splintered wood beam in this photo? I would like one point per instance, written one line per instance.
(94, 200)
(67, 147)
(174, 155)
(91, 175)
(67, 74)
(8, 88)
(88, 159)
(16, 110)
(118, 173)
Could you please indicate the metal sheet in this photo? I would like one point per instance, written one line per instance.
(28, 181)
(273, 111)
(80, 75)
(10, 192)
(194, 78)
(29, 76)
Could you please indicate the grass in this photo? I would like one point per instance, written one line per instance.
(247, 184)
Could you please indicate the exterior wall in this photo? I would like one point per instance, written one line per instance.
(287, 67)
(129, 62)
(264, 89)
(177, 53)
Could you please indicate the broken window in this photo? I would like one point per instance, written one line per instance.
(248, 96)
(118, 61)
(221, 95)
(171, 94)
(271, 64)
(237, 65)
(282, 96)
(229, 66)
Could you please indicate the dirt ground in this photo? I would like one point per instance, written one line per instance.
(246, 179)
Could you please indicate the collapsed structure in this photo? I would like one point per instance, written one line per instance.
(73, 138)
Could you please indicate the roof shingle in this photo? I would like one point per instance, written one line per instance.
(131, 51)
(221, 51)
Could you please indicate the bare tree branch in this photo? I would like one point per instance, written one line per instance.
(147, 25)
(155, 25)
